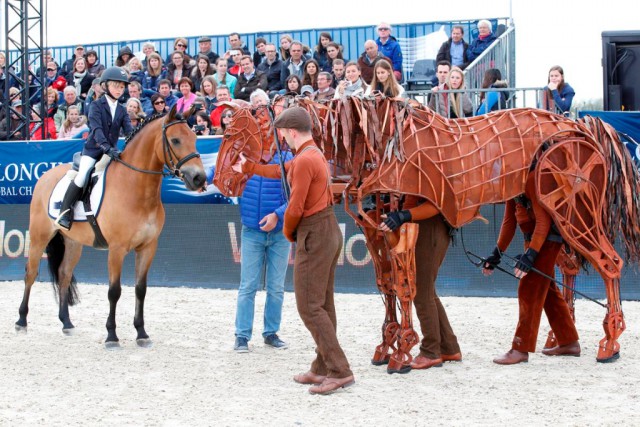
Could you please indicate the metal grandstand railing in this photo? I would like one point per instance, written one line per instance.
(501, 55)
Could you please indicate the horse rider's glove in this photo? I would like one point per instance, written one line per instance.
(526, 260)
(493, 260)
(114, 153)
(397, 218)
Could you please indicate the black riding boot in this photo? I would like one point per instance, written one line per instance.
(65, 219)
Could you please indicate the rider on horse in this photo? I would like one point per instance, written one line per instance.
(106, 118)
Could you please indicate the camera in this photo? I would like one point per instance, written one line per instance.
(198, 128)
(197, 106)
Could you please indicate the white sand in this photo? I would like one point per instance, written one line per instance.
(191, 376)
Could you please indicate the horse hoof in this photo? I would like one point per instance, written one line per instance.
(144, 342)
(69, 331)
(112, 345)
(21, 329)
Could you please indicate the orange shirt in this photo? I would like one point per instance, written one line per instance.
(309, 178)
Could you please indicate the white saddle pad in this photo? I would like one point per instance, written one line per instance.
(79, 214)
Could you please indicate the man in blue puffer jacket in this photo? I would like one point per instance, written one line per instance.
(264, 249)
(389, 47)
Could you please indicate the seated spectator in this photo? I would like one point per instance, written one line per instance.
(453, 105)
(367, 61)
(236, 43)
(249, 80)
(320, 53)
(154, 73)
(164, 89)
(135, 111)
(259, 98)
(177, 69)
(307, 91)
(389, 47)
(70, 98)
(259, 55)
(223, 95)
(454, 50)
(52, 73)
(325, 92)
(73, 124)
(294, 65)
(338, 71)
(484, 40)
(136, 73)
(225, 119)
(310, 73)
(353, 84)
(80, 78)
(272, 67)
(334, 51)
(93, 63)
(135, 91)
(236, 57)
(208, 93)
(442, 74)
(187, 89)
(41, 122)
(285, 44)
(10, 131)
(492, 100)
(147, 49)
(67, 66)
(47, 57)
(202, 69)
(204, 44)
(223, 78)
(159, 105)
(203, 124)
(292, 85)
(52, 101)
(559, 95)
(94, 93)
(180, 45)
(384, 82)
(124, 56)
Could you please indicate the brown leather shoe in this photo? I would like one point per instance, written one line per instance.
(329, 385)
(309, 378)
(572, 349)
(512, 357)
(457, 357)
(423, 362)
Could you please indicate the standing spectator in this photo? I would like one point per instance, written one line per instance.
(204, 44)
(249, 80)
(384, 82)
(177, 69)
(320, 53)
(94, 93)
(67, 66)
(484, 40)
(154, 73)
(79, 78)
(294, 64)
(337, 71)
(93, 63)
(259, 55)
(293, 85)
(325, 92)
(453, 105)
(39, 122)
(334, 52)
(186, 87)
(492, 100)
(310, 74)
(70, 98)
(159, 105)
(353, 84)
(180, 44)
(164, 89)
(223, 95)
(235, 43)
(136, 73)
(74, 124)
(124, 56)
(223, 78)
(559, 95)
(208, 92)
(272, 67)
(454, 50)
(389, 47)
(285, 44)
(147, 48)
(367, 61)
(202, 69)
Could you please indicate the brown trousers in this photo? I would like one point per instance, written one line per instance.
(319, 242)
(536, 293)
(431, 248)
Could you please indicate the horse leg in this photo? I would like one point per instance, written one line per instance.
(116, 257)
(144, 257)
(67, 282)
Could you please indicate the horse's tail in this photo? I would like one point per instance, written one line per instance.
(621, 216)
(55, 254)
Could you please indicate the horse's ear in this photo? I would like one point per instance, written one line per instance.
(172, 113)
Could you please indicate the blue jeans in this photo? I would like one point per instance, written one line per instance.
(260, 250)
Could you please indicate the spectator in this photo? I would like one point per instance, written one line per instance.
(124, 56)
(202, 69)
(223, 78)
(180, 44)
(159, 105)
(389, 47)
(249, 80)
(74, 124)
(384, 82)
(154, 73)
(136, 73)
(259, 55)
(93, 63)
(310, 73)
(559, 95)
(70, 98)
(492, 100)
(325, 92)
(307, 91)
(236, 43)
(353, 84)
(203, 124)
(208, 93)
(147, 48)
(79, 78)
(272, 67)
(135, 111)
(47, 57)
(285, 44)
(67, 66)
(484, 40)
(164, 89)
(223, 95)
(15, 122)
(442, 74)
(337, 71)
(367, 61)
(94, 93)
(236, 57)
(294, 65)
(293, 85)
(135, 91)
(38, 123)
(225, 119)
(334, 51)
(52, 101)
(51, 74)
(454, 50)
(453, 105)
(259, 98)
(177, 69)
(320, 53)
(204, 44)
(187, 89)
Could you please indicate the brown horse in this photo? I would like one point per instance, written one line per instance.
(131, 218)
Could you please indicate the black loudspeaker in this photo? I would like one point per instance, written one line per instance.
(621, 68)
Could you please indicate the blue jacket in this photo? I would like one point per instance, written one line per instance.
(478, 46)
(391, 49)
(103, 130)
(263, 196)
(563, 99)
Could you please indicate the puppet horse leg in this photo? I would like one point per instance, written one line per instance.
(144, 257)
(613, 324)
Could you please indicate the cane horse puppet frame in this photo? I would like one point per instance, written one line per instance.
(391, 148)
(131, 218)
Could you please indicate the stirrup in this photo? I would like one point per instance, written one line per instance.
(61, 218)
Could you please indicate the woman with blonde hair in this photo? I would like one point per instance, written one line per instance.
(73, 124)
(135, 70)
(208, 92)
(384, 82)
(155, 72)
(135, 111)
(285, 43)
(453, 105)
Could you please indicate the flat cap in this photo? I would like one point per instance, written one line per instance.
(204, 39)
(294, 118)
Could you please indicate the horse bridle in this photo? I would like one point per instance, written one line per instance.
(170, 167)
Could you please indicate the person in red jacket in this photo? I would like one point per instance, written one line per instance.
(38, 123)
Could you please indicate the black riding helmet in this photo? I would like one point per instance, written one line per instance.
(114, 74)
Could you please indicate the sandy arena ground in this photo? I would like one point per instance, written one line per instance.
(192, 377)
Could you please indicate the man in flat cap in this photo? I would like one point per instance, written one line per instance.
(204, 43)
(310, 221)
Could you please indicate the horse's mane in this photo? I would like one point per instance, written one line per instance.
(145, 121)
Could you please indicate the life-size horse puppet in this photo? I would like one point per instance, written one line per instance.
(131, 218)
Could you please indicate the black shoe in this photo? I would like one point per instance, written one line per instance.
(65, 219)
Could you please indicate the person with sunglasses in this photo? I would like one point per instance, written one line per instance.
(159, 104)
(389, 47)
